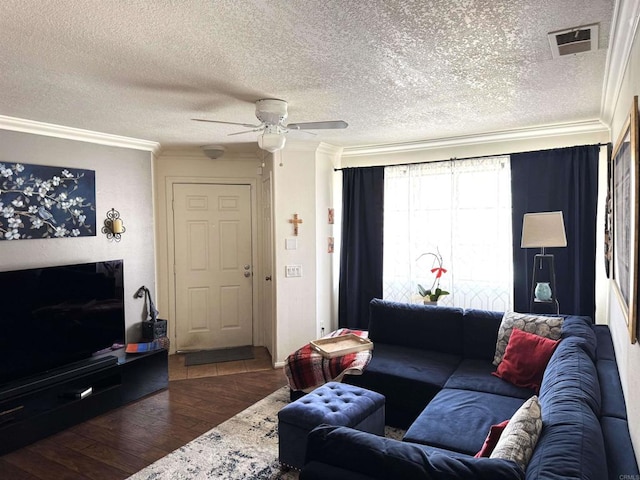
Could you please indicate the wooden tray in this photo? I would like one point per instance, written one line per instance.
(341, 345)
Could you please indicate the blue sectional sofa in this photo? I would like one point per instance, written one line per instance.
(434, 366)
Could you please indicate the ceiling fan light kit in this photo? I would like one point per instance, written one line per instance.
(272, 113)
(271, 142)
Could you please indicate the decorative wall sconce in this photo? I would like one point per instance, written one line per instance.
(113, 226)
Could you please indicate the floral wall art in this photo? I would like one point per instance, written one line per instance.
(38, 201)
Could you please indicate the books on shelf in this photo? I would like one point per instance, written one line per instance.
(144, 347)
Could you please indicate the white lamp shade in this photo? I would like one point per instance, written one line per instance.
(542, 230)
(271, 142)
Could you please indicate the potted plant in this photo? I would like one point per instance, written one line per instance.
(433, 294)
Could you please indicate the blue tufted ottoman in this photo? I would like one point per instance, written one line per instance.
(333, 403)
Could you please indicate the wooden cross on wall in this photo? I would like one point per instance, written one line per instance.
(296, 221)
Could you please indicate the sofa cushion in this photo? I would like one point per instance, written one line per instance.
(613, 403)
(520, 436)
(545, 326)
(460, 419)
(570, 402)
(621, 463)
(438, 329)
(605, 349)
(479, 331)
(408, 377)
(581, 327)
(495, 431)
(384, 458)
(570, 378)
(323, 471)
(473, 374)
(570, 446)
(525, 359)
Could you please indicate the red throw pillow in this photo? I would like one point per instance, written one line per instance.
(525, 359)
(492, 439)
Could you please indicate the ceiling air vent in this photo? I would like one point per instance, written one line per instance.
(574, 40)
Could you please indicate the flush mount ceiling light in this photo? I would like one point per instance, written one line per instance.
(214, 151)
(574, 40)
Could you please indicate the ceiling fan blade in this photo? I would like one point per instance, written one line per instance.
(318, 125)
(306, 132)
(248, 125)
(248, 131)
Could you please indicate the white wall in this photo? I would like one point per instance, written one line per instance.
(627, 355)
(327, 157)
(294, 188)
(123, 182)
(303, 185)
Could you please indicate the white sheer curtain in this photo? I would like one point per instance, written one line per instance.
(461, 208)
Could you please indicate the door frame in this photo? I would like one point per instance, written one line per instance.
(264, 291)
(258, 337)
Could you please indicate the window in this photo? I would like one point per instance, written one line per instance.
(461, 208)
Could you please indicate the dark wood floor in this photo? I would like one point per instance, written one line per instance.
(123, 441)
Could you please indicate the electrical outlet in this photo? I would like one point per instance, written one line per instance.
(293, 271)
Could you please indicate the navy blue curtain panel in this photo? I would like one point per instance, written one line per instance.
(550, 180)
(361, 248)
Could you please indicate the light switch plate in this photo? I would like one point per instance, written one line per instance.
(293, 271)
(291, 243)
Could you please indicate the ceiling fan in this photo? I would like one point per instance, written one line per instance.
(272, 114)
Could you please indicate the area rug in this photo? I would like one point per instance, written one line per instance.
(244, 447)
(219, 355)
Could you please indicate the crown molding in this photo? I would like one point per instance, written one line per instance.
(329, 149)
(196, 152)
(624, 27)
(300, 145)
(70, 133)
(573, 128)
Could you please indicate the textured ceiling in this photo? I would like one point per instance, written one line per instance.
(395, 70)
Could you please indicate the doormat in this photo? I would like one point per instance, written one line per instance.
(219, 355)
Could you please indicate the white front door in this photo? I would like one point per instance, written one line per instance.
(213, 271)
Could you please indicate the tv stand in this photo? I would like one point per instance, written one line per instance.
(44, 405)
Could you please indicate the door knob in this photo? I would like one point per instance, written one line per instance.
(247, 274)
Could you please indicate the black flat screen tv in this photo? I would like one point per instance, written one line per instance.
(54, 316)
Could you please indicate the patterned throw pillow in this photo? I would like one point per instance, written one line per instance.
(548, 327)
(519, 438)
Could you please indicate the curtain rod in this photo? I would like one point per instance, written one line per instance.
(471, 158)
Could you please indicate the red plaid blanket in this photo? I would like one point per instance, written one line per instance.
(306, 368)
